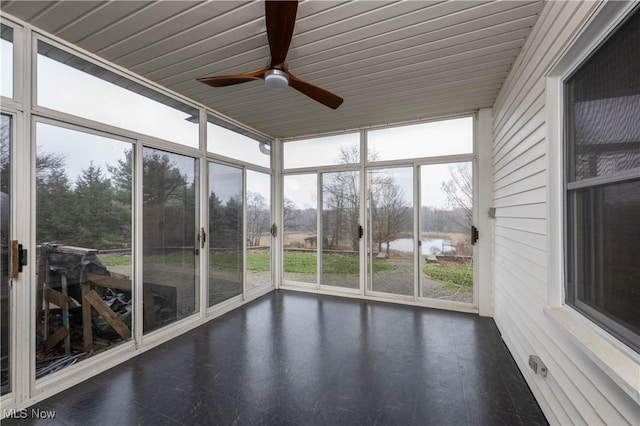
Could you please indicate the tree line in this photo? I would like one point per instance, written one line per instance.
(95, 210)
(389, 209)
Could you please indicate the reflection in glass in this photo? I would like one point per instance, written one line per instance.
(84, 245)
(73, 85)
(604, 243)
(225, 230)
(169, 191)
(323, 151)
(6, 49)
(300, 231)
(340, 221)
(390, 224)
(446, 216)
(258, 229)
(436, 138)
(232, 144)
(5, 237)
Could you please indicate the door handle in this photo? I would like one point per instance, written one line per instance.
(360, 231)
(202, 237)
(474, 235)
(18, 258)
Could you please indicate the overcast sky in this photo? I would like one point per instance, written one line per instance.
(6, 76)
(431, 139)
(129, 110)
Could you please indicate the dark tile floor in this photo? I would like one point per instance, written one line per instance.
(299, 359)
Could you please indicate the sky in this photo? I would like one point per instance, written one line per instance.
(70, 90)
(6, 77)
(432, 139)
(123, 108)
(73, 146)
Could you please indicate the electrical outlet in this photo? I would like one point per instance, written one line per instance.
(537, 365)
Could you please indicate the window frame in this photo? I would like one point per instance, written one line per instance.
(609, 355)
(573, 220)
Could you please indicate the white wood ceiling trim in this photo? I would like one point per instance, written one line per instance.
(65, 14)
(389, 97)
(153, 16)
(174, 77)
(412, 80)
(390, 60)
(333, 82)
(385, 44)
(158, 34)
(409, 54)
(246, 16)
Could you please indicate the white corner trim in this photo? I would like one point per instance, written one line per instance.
(618, 362)
(484, 200)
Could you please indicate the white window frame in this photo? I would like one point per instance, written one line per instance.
(613, 357)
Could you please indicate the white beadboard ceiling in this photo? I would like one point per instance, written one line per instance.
(391, 61)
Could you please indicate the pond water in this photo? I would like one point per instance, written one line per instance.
(429, 245)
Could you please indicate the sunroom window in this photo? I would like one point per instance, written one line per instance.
(603, 184)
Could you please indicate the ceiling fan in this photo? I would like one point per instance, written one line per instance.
(281, 18)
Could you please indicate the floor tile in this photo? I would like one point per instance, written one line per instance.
(300, 359)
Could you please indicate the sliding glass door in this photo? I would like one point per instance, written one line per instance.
(170, 260)
(225, 232)
(300, 228)
(390, 242)
(446, 216)
(5, 238)
(83, 291)
(258, 205)
(341, 230)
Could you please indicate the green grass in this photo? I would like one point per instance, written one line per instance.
(333, 263)
(458, 277)
(259, 260)
(114, 259)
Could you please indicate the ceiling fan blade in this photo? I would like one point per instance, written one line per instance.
(281, 18)
(231, 79)
(314, 92)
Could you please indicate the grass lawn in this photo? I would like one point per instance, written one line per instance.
(259, 260)
(459, 277)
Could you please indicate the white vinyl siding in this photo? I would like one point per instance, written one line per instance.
(575, 391)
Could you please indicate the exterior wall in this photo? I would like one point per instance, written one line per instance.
(577, 390)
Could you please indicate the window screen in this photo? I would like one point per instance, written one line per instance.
(603, 184)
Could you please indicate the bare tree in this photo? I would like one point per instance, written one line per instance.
(341, 208)
(390, 211)
(258, 217)
(290, 214)
(459, 192)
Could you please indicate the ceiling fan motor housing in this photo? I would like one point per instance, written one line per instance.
(276, 79)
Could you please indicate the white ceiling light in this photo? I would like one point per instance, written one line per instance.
(276, 79)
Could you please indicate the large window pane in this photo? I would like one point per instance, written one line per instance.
(6, 47)
(446, 216)
(604, 105)
(340, 229)
(233, 144)
(390, 245)
(169, 216)
(324, 151)
(602, 142)
(84, 245)
(605, 248)
(437, 138)
(258, 229)
(5, 237)
(75, 86)
(225, 228)
(300, 230)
